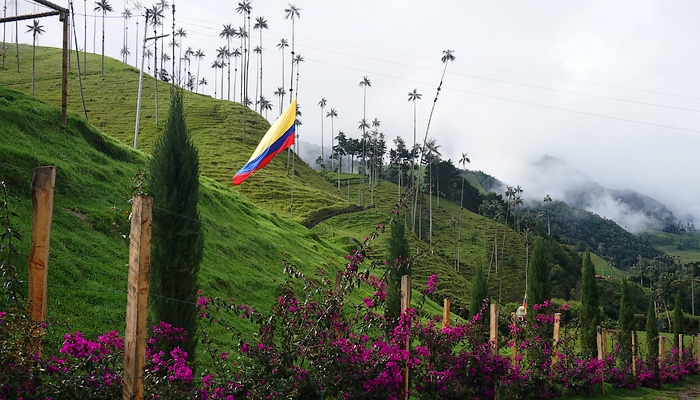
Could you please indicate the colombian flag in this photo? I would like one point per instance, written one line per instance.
(525, 302)
(278, 138)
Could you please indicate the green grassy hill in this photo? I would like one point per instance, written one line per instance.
(216, 128)
(244, 244)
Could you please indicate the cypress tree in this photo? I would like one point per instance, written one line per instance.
(480, 291)
(678, 324)
(177, 237)
(397, 257)
(539, 285)
(652, 331)
(589, 313)
(626, 324)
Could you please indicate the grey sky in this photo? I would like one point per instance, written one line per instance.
(520, 65)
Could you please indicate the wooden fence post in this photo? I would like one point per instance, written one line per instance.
(599, 339)
(43, 183)
(137, 297)
(405, 304)
(557, 322)
(662, 350)
(605, 343)
(698, 346)
(446, 313)
(338, 281)
(493, 331)
(634, 358)
(514, 356)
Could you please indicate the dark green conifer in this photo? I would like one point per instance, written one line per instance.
(399, 266)
(678, 323)
(626, 324)
(480, 291)
(652, 331)
(177, 237)
(539, 285)
(589, 313)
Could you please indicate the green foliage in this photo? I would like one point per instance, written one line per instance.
(589, 313)
(539, 284)
(479, 292)
(585, 230)
(626, 324)
(8, 249)
(652, 331)
(678, 323)
(398, 258)
(177, 244)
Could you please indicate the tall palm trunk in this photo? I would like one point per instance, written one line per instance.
(85, 45)
(33, 60)
(103, 43)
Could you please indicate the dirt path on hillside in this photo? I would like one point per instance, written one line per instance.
(689, 393)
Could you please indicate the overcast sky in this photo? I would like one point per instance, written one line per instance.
(610, 87)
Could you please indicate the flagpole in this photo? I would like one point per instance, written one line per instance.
(291, 201)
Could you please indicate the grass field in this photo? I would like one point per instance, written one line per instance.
(244, 244)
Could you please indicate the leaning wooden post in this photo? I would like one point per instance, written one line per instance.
(557, 322)
(634, 359)
(446, 313)
(605, 343)
(680, 351)
(338, 281)
(137, 297)
(662, 350)
(600, 356)
(43, 183)
(405, 304)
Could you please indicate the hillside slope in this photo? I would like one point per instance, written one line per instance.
(216, 127)
(244, 244)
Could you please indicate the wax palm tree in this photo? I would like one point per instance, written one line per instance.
(243, 35)
(260, 24)
(280, 92)
(222, 54)
(547, 200)
(258, 51)
(189, 54)
(199, 55)
(265, 105)
(373, 172)
(332, 114)
(179, 33)
(282, 45)
(216, 65)
(413, 96)
(236, 54)
(447, 56)
(227, 33)
(292, 13)
(340, 149)
(126, 14)
(124, 52)
(104, 7)
(297, 60)
(202, 82)
(244, 8)
(322, 104)
(364, 125)
(163, 5)
(155, 15)
(139, 9)
(464, 161)
(364, 84)
(36, 29)
(433, 154)
(148, 54)
(85, 10)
